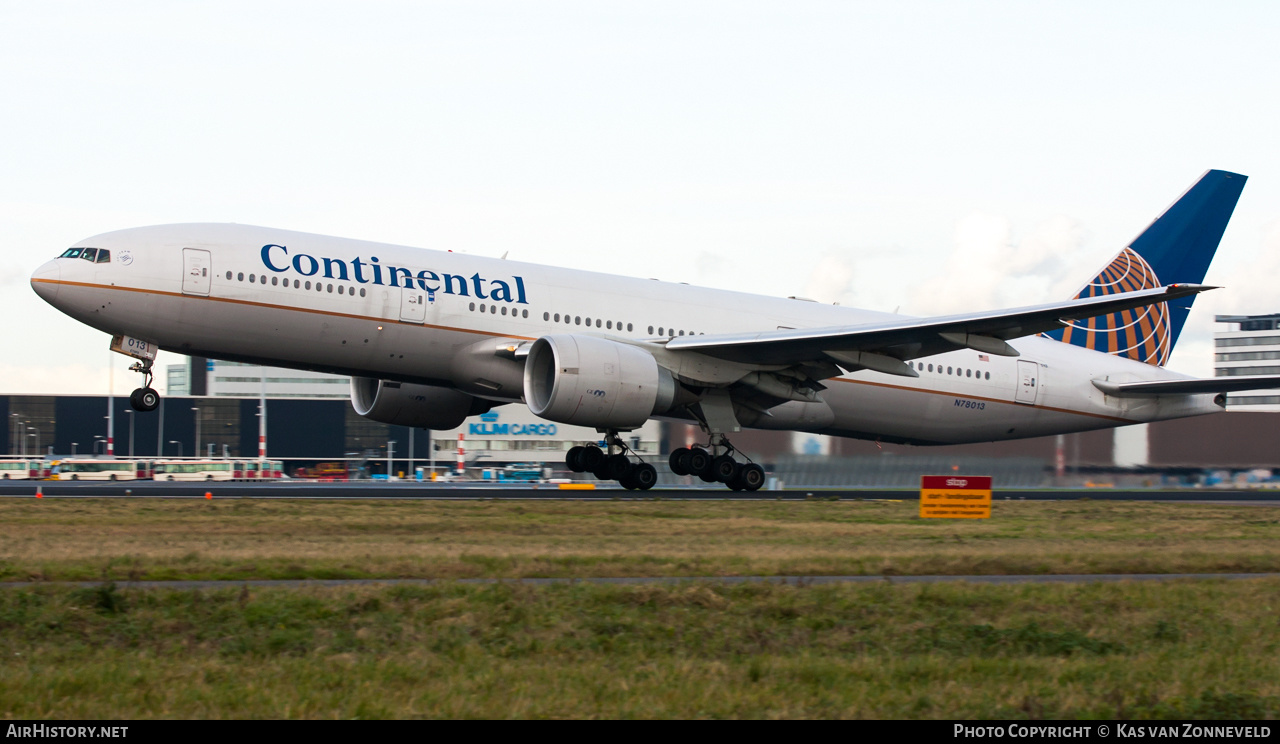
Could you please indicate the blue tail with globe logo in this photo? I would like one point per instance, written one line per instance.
(1174, 249)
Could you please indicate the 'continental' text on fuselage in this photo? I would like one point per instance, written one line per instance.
(277, 258)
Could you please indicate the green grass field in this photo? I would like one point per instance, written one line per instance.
(172, 539)
(1181, 649)
(1176, 649)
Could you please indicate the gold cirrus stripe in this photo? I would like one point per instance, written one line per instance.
(983, 398)
(252, 303)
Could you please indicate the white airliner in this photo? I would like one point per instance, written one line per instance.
(431, 337)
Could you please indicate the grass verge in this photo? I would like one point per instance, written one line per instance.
(86, 539)
(1143, 650)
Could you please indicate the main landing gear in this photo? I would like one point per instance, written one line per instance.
(612, 465)
(144, 398)
(712, 467)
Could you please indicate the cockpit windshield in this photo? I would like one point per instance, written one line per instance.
(92, 255)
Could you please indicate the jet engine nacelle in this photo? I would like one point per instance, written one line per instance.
(407, 404)
(590, 381)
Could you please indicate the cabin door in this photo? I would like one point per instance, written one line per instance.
(1029, 382)
(414, 302)
(196, 270)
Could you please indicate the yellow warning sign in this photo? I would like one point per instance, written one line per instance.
(955, 496)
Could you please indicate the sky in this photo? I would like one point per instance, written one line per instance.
(924, 157)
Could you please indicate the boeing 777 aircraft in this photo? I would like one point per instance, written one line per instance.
(431, 337)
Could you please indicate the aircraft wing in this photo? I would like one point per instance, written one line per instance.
(885, 346)
(1187, 387)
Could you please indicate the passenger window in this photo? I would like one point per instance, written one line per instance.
(650, 330)
(577, 320)
(597, 322)
(547, 316)
(307, 285)
(253, 278)
(968, 373)
(504, 309)
(524, 313)
(275, 280)
(948, 370)
(557, 317)
(608, 325)
(240, 277)
(628, 326)
(228, 276)
(660, 331)
(471, 306)
(296, 284)
(988, 376)
(362, 291)
(493, 309)
(329, 288)
(930, 367)
(482, 307)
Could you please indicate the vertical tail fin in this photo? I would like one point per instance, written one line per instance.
(1174, 249)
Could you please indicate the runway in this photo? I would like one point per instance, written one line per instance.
(639, 580)
(411, 490)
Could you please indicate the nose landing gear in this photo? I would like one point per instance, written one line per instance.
(144, 398)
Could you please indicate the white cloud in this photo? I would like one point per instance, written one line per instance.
(831, 280)
(989, 268)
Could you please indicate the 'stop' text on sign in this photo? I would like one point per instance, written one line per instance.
(955, 496)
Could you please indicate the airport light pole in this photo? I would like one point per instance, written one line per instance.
(197, 447)
(73, 447)
(13, 440)
(35, 449)
(130, 412)
(174, 441)
(111, 407)
(391, 448)
(160, 431)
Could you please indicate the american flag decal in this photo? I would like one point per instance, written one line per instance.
(1142, 333)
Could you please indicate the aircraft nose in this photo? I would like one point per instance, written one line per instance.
(45, 281)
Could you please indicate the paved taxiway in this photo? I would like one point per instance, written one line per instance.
(437, 491)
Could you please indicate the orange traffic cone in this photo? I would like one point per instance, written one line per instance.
(208, 494)
(39, 492)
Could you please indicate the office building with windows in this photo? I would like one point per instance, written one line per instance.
(237, 380)
(1250, 346)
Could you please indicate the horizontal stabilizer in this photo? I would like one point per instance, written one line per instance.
(1187, 387)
